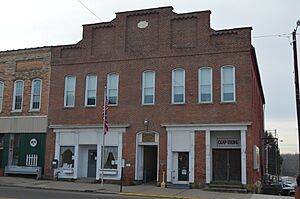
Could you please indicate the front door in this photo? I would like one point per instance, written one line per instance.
(92, 159)
(183, 166)
(227, 165)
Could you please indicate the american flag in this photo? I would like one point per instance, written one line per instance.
(104, 116)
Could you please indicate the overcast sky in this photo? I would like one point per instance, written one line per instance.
(36, 23)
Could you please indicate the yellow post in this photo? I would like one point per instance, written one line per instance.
(163, 184)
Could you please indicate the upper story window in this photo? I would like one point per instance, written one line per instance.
(90, 90)
(228, 84)
(18, 95)
(178, 86)
(36, 92)
(148, 94)
(112, 88)
(205, 85)
(1, 95)
(70, 83)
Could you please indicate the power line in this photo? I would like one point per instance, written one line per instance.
(278, 35)
(88, 9)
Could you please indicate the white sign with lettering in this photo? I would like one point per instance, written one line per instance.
(228, 142)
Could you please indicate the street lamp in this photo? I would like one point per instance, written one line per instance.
(297, 92)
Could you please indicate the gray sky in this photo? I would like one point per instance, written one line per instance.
(35, 23)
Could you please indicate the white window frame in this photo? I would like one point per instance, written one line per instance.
(234, 83)
(14, 97)
(87, 89)
(199, 85)
(173, 71)
(1, 95)
(108, 88)
(143, 88)
(65, 91)
(40, 94)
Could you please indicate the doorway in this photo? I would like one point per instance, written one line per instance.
(183, 166)
(227, 165)
(92, 160)
(150, 163)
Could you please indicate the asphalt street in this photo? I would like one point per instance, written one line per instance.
(24, 193)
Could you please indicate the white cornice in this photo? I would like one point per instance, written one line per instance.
(210, 127)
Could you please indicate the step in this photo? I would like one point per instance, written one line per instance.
(236, 186)
(225, 189)
(178, 186)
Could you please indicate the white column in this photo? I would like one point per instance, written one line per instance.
(76, 135)
(192, 158)
(207, 156)
(57, 146)
(98, 162)
(169, 157)
(243, 157)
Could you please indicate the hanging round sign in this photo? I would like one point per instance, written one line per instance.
(33, 142)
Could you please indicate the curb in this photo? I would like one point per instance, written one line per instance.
(155, 195)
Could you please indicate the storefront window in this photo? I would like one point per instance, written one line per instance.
(67, 156)
(16, 149)
(110, 156)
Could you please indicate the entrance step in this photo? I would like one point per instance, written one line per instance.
(178, 186)
(226, 187)
(86, 180)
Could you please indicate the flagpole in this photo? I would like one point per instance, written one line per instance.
(103, 139)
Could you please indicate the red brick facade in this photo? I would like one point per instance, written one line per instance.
(170, 41)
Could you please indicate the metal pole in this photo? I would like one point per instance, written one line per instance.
(297, 91)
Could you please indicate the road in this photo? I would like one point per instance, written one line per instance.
(24, 193)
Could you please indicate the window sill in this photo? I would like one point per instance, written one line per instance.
(16, 111)
(90, 106)
(204, 103)
(230, 102)
(147, 104)
(183, 103)
(34, 110)
(112, 105)
(68, 107)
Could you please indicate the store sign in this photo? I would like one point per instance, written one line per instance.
(33, 142)
(148, 137)
(225, 142)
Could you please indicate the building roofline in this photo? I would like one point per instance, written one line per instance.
(256, 70)
(25, 49)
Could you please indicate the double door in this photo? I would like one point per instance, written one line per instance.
(227, 165)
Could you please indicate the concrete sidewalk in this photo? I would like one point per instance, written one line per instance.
(139, 190)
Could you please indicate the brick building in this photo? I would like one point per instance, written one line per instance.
(24, 92)
(184, 99)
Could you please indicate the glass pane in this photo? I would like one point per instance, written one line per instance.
(36, 87)
(110, 156)
(148, 91)
(70, 83)
(92, 82)
(19, 88)
(70, 99)
(228, 75)
(35, 105)
(206, 97)
(178, 98)
(112, 100)
(178, 78)
(178, 90)
(113, 81)
(113, 92)
(206, 89)
(1, 89)
(18, 102)
(228, 88)
(205, 76)
(149, 79)
(148, 99)
(91, 101)
(228, 96)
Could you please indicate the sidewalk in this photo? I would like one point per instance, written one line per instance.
(139, 190)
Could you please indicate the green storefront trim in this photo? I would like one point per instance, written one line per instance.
(25, 148)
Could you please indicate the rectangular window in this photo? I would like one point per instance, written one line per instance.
(66, 157)
(91, 90)
(18, 96)
(1, 95)
(70, 82)
(205, 85)
(178, 86)
(36, 91)
(228, 84)
(110, 157)
(112, 88)
(148, 87)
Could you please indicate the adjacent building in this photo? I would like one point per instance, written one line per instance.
(24, 93)
(184, 99)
